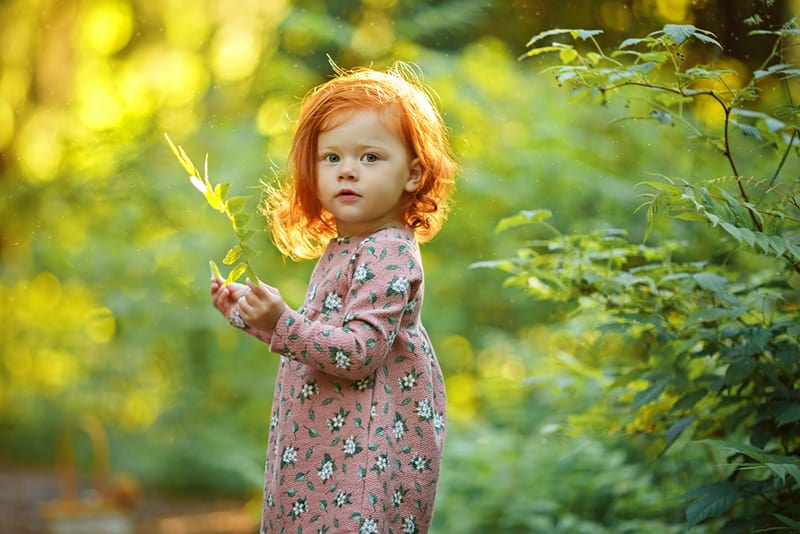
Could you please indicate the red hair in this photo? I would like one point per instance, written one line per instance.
(300, 226)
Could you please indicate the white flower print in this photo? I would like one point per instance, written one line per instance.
(424, 410)
(273, 421)
(420, 463)
(308, 390)
(362, 273)
(312, 293)
(399, 428)
(298, 508)
(398, 286)
(363, 384)
(351, 447)
(341, 359)
(438, 421)
(368, 526)
(426, 348)
(410, 525)
(332, 302)
(381, 463)
(398, 496)
(341, 499)
(408, 380)
(327, 468)
(289, 456)
(336, 422)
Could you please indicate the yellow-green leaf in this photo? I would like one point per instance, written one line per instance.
(214, 269)
(541, 50)
(215, 203)
(567, 54)
(251, 274)
(233, 255)
(221, 190)
(182, 157)
(594, 57)
(240, 219)
(235, 204)
(236, 273)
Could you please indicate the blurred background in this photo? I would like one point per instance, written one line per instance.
(105, 319)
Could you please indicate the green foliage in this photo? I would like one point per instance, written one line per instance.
(714, 357)
(546, 482)
(769, 226)
(240, 255)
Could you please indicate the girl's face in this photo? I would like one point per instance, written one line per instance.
(363, 169)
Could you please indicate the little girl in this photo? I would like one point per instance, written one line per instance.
(358, 414)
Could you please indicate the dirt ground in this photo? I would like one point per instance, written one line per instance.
(23, 492)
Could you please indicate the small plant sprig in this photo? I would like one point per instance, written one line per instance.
(239, 255)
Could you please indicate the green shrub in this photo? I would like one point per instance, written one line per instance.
(713, 338)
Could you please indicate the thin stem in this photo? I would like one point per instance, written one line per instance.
(783, 158)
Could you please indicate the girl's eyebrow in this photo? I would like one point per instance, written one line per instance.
(368, 146)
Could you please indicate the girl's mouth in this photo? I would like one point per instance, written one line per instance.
(347, 193)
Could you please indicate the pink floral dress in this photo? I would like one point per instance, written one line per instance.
(358, 416)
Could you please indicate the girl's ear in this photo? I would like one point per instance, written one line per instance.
(414, 176)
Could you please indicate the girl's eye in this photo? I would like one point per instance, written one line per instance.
(370, 158)
(330, 158)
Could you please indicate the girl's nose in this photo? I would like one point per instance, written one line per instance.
(347, 169)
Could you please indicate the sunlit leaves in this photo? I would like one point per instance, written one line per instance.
(680, 33)
(233, 208)
(575, 34)
(762, 229)
(523, 218)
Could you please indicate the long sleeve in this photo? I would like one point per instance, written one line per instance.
(353, 310)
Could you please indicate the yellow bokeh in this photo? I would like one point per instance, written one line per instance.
(97, 102)
(15, 83)
(374, 36)
(708, 109)
(156, 76)
(19, 369)
(462, 402)
(106, 26)
(379, 4)
(456, 353)
(271, 118)
(39, 146)
(488, 64)
(674, 11)
(7, 124)
(183, 15)
(235, 51)
(100, 325)
(53, 368)
(140, 409)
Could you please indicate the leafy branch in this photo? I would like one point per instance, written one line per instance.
(240, 254)
(714, 356)
(602, 74)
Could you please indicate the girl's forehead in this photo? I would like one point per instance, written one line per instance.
(388, 115)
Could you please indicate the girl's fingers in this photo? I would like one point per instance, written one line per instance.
(256, 288)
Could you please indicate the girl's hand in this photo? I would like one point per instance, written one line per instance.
(260, 306)
(225, 297)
